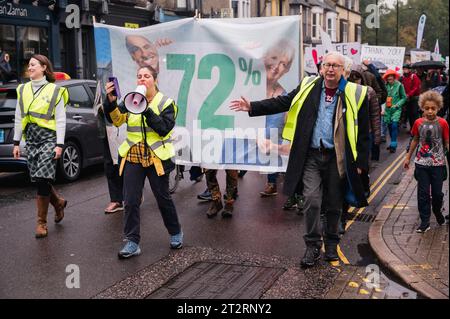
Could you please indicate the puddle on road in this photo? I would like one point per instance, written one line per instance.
(390, 287)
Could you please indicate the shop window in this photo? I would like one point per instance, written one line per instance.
(8, 45)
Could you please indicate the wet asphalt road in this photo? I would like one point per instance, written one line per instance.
(90, 239)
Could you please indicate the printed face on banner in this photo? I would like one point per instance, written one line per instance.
(205, 64)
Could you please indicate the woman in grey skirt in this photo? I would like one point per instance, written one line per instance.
(41, 119)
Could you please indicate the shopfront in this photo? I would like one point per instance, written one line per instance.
(77, 46)
(26, 30)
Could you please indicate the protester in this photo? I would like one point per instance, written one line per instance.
(431, 140)
(6, 73)
(41, 118)
(393, 106)
(433, 79)
(230, 196)
(411, 83)
(373, 79)
(107, 132)
(356, 76)
(147, 152)
(328, 149)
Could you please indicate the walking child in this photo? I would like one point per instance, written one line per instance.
(431, 140)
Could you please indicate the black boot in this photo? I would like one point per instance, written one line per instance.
(311, 257)
(331, 253)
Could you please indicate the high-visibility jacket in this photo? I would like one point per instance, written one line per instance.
(161, 146)
(354, 97)
(39, 108)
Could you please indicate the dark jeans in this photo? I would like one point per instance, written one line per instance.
(133, 182)
(393, 132)
(374, 149)
(323, 189)
(272, 178)
(115, 182)
(429, 176)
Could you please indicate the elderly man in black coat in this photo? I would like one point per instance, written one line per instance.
(330, 149)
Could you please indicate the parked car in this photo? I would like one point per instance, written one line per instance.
(82, 145)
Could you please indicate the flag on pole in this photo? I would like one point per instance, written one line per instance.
(436, 56)
(420, 28)
(436, 47)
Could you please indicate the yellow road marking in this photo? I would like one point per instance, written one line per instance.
(363, 292)
(353, 284)
(342, 256)
(374, 184)
(374, 193)
(396, 206)
(396, 164)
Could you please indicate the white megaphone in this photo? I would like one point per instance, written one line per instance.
(135, 101)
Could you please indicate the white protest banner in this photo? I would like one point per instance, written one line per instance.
(417, 56)
(315, 55)
(312, 57)
(351, 50)
(326, 41)
(446, 62)
(436, 57)
(203, 64)
(392, 57)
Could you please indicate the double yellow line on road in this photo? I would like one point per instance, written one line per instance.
(374, 190)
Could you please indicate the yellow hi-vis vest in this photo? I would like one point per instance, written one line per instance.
(40, 109)
(354, 97)
(161, 146)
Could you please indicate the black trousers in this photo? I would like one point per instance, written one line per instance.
(323, 190)
(133, 182)
(412, 110)
(115, 182)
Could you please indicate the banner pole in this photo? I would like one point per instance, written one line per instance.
(301, 54)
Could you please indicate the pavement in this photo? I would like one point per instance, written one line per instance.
(419, 260)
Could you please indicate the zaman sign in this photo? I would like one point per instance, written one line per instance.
(10, 10)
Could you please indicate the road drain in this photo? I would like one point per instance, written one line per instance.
(219, 281)
(365, 218)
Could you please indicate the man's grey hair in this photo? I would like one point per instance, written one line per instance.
(335, 54)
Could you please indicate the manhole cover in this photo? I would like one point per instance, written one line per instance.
(365, 218)
(219, 281)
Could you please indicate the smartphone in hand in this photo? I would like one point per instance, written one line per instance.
(116, 91)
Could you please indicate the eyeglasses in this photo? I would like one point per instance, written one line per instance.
(334, 66)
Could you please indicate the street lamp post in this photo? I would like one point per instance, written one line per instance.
(396, 38)
(376, 27)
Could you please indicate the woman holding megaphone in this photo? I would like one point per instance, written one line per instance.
(146, 152)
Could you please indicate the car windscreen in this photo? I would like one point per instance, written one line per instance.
(8, 99)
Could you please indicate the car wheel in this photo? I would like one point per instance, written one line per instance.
(70, 162)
